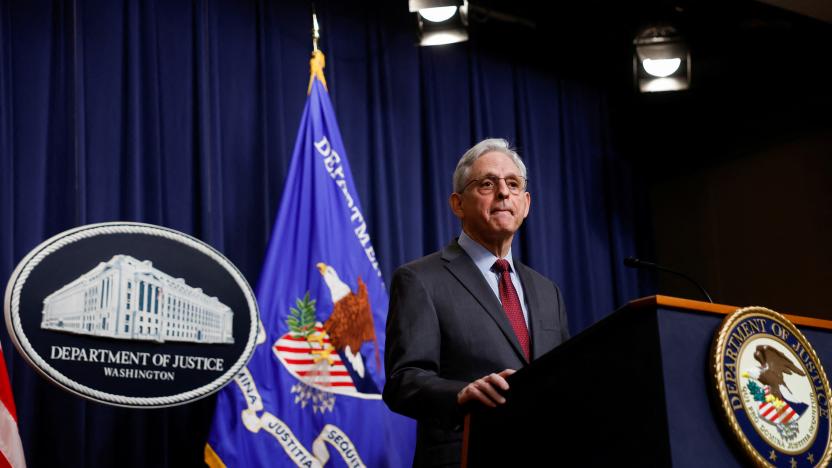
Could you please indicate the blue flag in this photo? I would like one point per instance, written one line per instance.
(311, 394)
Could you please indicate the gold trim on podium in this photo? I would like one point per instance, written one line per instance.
(719, 309)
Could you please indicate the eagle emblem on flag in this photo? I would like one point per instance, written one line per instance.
(326, 357)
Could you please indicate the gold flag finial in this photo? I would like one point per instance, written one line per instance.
(317, 62)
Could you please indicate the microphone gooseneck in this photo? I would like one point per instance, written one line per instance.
(634, 262)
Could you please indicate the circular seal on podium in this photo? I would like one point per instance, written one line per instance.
(772, 389)
(131, 314)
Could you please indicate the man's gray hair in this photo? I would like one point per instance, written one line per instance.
(463, 167)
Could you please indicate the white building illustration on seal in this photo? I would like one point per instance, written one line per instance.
(128, 299)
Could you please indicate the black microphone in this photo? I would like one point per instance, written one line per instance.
(634, 262)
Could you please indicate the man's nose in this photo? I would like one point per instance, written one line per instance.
(502, 189)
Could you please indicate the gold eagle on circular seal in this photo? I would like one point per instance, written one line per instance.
(772, 389)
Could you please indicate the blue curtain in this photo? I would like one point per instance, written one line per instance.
(183, 113)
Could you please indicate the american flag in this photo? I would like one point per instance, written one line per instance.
(10, 446)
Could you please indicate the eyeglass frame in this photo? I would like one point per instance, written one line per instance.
(496, 181)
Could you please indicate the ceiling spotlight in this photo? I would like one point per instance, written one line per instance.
(661, 68)
(661, 61)
(438, 14)
(441, 21)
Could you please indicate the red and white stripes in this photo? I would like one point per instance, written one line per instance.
(11, 448)
(770, 412)
(315, 361)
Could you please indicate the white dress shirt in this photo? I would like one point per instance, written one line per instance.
(484, 261)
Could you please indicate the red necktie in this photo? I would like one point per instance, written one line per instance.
(511, 304)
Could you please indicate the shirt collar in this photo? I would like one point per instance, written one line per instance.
(480, 255)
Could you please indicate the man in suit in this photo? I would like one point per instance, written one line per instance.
(463, 319)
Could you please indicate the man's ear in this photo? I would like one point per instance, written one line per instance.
(455, 200)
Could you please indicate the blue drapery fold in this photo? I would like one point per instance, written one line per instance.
(184, 114)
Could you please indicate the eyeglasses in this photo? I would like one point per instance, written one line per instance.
(489, 184)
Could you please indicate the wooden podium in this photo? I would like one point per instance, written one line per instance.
(634, 389)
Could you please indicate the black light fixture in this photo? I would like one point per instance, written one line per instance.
(661, 61)
(441, 21)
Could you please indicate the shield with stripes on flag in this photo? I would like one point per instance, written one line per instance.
(310, 360)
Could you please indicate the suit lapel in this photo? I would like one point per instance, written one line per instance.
(533, 302)
(463, 269)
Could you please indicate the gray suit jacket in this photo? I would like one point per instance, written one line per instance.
(445, 329)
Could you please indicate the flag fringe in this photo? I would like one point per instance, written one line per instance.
(212, 459)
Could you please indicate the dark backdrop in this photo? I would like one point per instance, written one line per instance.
(739, 168)
(184, 113)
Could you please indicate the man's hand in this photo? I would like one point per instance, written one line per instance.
(486, 390)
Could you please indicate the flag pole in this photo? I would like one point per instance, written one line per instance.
(316, 31)
(317, 62)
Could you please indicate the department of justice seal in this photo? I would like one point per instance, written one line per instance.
(131, 314)
(772, 389)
